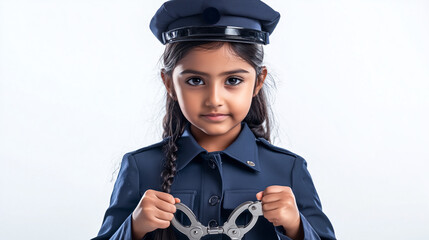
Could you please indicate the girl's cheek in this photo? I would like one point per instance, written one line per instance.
(192, 101)
(240, 103)
(241, 97)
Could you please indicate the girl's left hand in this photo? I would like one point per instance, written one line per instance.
(279, 207)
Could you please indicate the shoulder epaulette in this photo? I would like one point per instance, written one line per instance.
(275, 148)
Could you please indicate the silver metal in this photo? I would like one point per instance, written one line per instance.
(196, 230)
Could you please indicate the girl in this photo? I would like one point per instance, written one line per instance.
(216, 151)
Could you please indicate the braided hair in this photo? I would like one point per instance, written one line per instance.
(174, 122)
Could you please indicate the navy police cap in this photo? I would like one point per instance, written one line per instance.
(250, 21)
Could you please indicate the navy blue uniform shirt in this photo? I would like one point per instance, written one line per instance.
(212, 184)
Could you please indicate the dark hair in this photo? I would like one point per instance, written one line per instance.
(174, 121)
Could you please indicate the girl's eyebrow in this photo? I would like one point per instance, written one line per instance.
(190, 71)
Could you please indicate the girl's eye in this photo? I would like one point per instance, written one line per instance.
(234, 81)
(194, 81)
(197, 81)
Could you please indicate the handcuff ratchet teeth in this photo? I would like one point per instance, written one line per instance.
(196, 230)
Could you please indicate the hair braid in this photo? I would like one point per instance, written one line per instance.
(171, 132)
(173, 129)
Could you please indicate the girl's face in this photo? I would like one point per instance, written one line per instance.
(214, 89)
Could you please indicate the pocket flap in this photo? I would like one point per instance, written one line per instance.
(186, 197)
(233, 198)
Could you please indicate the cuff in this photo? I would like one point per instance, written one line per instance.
(125, 231)
(309, 233)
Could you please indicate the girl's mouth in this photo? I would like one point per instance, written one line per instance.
(215, 117)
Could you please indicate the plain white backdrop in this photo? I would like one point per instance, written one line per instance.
(80, 87)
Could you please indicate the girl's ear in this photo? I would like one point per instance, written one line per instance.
(168, 83)
(260, 80)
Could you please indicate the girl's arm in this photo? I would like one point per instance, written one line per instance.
(315, 224)
(117, 220)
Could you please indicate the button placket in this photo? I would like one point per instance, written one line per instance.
(212, 163)
(212, 192)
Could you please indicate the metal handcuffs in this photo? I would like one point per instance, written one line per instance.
(196, 230)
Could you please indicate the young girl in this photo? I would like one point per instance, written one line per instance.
(216, 152)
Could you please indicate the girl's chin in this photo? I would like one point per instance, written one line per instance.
(216, 129)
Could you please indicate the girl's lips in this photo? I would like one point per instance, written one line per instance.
(215, 117)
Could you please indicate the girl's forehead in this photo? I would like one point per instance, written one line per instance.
(212, 65)
(223, 55)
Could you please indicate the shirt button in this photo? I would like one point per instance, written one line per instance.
(250, 163)
(213, 200)
(212, 163)
(213, 223)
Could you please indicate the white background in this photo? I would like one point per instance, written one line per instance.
(80, 87)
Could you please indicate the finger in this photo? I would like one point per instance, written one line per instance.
(177, 200)
(259, 195)
(273, 220)
(272, 198)
(166, 216)
(271, 206)
(161, 223)
(165, 206)
(275, 189)
(165, 196)
(272, 215)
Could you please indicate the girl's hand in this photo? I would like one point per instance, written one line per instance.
(279, 207)
(155, 210)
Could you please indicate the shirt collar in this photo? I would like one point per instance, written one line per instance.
(243, 149)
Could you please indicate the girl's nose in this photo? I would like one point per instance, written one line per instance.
(214, 96)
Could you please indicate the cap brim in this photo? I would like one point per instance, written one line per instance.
(215, 33)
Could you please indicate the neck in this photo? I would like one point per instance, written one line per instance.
(212, 143)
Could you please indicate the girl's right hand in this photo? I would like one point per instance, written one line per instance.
(155, 210)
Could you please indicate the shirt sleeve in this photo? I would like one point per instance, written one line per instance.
(124, 199)
(315, 223)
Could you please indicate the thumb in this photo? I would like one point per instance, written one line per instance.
(259, 195)
(177, 200)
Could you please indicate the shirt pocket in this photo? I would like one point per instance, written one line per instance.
(186, 197)
(233, 198)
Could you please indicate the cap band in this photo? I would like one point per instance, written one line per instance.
(225, 20)
(215, 33)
